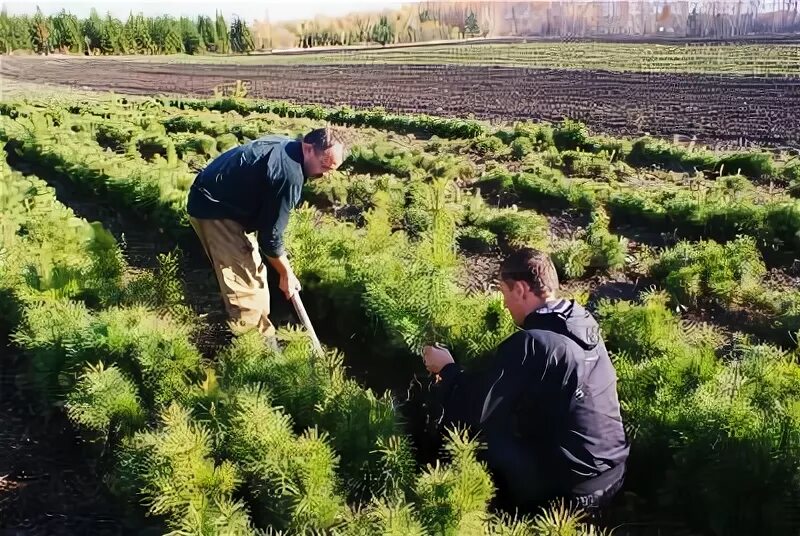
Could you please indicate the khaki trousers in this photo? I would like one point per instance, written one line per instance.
(241, 274)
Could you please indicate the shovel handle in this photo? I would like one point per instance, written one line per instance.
(301, 312)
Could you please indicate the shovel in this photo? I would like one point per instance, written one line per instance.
(301, 312)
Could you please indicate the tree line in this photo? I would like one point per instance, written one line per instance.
(95, 35)
(107, 35)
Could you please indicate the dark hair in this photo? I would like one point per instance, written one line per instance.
(532, 266)
(325, 138)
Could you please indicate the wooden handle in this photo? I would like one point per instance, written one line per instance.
(301, 312)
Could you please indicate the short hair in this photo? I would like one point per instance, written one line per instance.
(532, 266)
(326, 137)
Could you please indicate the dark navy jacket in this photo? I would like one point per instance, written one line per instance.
(550, 390)
(256, 184)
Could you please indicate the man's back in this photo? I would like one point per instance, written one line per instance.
(571, 405)
(235, 185)
(549, 395)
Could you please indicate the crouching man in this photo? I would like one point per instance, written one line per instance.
(546, 404)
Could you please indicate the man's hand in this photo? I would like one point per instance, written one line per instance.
(288, 281)
(436, 358)
(289, 284)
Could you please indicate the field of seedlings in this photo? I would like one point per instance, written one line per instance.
(111, 319)
(725, 107)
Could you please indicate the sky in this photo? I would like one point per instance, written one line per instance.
(277, 10)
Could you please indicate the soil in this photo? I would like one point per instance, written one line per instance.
(720, 110)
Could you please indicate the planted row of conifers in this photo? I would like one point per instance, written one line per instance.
(693, 416)
(252, 441)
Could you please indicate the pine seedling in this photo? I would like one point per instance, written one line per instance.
(104, 400)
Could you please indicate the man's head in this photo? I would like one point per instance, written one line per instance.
(323, 151)
(528, 279)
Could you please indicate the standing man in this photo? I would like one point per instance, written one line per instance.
(250, 189)
(546, 404)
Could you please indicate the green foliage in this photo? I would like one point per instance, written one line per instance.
(791, 171)
(345, 115)
(571, 135)
(544, 185)
(240, 37)
(517, 228)
(161, 289)
(187, 123)
(607, 251)
(207, 31)
(726, 273)
(296, 381)
(152, 146)
(791, 174)
(226, 141)
(166, 34)
(223, 45)
(294, 478)
(114, 136)
(173, 471)
(753, 165)
(650, 151)
(137, 35)
(521, 147)
(582, 164)
(188, 143)
(383, 32)
(477, 239)
(113, 38)
(66, 33)
(490, 146)
(454, 499)
(190, 37)
(40, 29)
(709, 433)
(572, 258)
(45, 332)
(104, 399)
(14, 33)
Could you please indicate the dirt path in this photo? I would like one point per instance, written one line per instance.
(49, 484)
(721, 110)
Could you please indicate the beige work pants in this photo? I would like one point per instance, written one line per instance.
(241, 274)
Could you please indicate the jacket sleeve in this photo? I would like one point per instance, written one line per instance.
(488, 399)
(274, 217)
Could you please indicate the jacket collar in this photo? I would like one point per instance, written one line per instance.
(295, 151)
(558, 306)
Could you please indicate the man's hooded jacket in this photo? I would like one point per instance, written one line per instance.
(551, 392)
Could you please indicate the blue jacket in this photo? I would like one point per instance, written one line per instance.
(256, 184)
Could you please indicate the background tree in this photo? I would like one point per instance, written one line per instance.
(382, 32)
(40, 33)
(93, 31)
(241, 38)
(138, 36)
(223, 39)
(14, 33)
(471, 25)
(190, 37)
(114, 39)
(66, 36)
(208, 32)
(166, 35)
